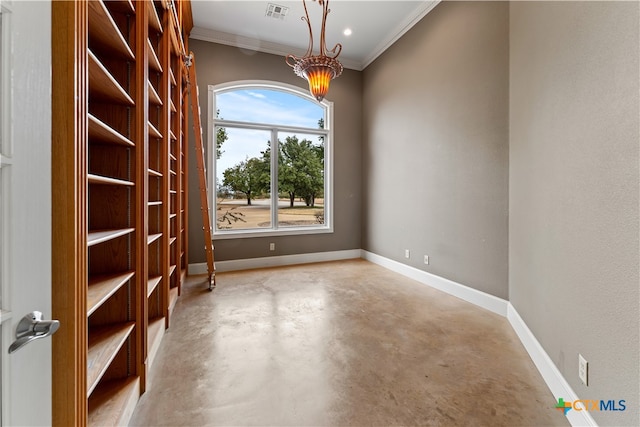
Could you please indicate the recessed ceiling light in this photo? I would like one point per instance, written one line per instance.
(347, 32)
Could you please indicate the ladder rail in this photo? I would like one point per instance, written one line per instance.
(192, 87)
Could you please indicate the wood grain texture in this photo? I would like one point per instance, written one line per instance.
(105, 34)
(141, 162)
(113, 404)
(112, 201)
(102, 132)
(104, 286)
(104, 345)
(101, 236)
(154, 62)
(103, 86)
(152, 284)
(69, 220)
(155, 332)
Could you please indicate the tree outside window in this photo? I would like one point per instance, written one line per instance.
(255, 193)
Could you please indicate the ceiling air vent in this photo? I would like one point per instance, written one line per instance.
(276, 11)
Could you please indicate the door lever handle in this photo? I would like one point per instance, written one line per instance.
(31, 327)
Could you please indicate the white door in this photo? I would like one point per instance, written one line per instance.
(25, 206)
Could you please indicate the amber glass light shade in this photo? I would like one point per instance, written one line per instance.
(318, 70)
(319, 79)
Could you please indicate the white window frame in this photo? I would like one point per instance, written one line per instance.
(327, 132)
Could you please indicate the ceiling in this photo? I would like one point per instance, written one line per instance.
(375, 25)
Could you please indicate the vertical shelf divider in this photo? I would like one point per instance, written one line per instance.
(117, 247)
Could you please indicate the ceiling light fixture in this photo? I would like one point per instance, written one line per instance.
(318, 70)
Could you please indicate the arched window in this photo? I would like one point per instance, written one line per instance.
(254, 191)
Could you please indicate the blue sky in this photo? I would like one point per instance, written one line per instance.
(261, 106)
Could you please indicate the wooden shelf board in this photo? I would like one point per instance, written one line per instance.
(122, 6)
(172, 135)
(154, 19)
(172, 240)
(155, 173)
(173, 298)
(155, 203)
(172, 156)
(176, 36)
(152, 284)
(102, 287)
(155, 333)
(172, 192)
(173, 106)
(104, 344)
(100, 236)
(105, 180)
(99, 131)
(102, 85)
(113, 403)
(175, 45)
(153, 132)
(173, 215)
(153, 237)
(154, 62)
(154, 98)
(104, 32)
(172, 77)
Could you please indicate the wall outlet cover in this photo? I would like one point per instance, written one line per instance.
(583, 370)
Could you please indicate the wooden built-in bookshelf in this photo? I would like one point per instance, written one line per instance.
(117, 68)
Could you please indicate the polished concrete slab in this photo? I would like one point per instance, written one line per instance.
(343, 343)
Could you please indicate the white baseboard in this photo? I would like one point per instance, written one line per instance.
(550, 373)
(474, 296)
(275, 261)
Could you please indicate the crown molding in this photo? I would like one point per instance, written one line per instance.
(257, 45)
(411, 20)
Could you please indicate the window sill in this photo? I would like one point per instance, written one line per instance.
(289, 231)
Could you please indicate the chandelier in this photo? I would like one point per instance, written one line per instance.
(318, 70)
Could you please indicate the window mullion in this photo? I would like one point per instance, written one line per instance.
(275, 154)
(254, 134)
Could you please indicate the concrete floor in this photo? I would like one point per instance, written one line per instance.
(344, 343)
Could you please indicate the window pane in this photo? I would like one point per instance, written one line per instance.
(300, 180)
(243, 179)
(268, 107)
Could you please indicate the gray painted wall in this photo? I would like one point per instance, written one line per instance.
(502, 141)
(436, 146)
(216, 64)
(573, 235)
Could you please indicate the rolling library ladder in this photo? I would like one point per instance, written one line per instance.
(119, 193)
(192, 86)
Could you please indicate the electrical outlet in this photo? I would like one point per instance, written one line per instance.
(426, 259)
(407, 254)
(583, 370)
(272, 246)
